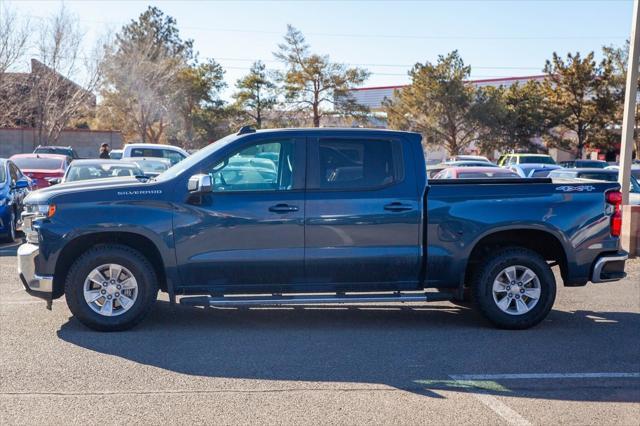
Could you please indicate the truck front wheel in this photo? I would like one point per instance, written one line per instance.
(111, 288)
(515, 288)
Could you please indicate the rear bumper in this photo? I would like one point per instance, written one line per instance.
(609, 267)
(36, 285)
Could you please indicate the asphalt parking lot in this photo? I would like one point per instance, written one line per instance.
(415, 363)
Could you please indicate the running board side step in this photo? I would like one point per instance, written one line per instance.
(277, 299)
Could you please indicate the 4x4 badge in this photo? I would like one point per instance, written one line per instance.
(577, 188)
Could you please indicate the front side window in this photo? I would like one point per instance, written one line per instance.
(358, 164)
(261, 167)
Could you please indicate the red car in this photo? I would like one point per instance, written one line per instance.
(41, 167)
(475, 173)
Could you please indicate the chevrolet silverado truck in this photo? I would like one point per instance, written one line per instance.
(316, 216)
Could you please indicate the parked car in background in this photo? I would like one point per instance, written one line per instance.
(608, 175)
(99, 169)
(475, 173)
(14, 186)
(510, 159)
(469, 158)
(150, 150)
(593, 173)
(60, 150)
(635, 170)
(115, 154)
(582, 164)
(40, 168)
(152, 167)
(434, 170)
(533, 170)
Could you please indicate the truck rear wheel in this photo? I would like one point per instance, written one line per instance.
(515, 288)
(111, 288)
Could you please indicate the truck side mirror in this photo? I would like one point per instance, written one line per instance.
(200, 184)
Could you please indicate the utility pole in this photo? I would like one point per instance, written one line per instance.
(628, 118)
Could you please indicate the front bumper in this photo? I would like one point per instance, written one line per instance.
(609, 267)
(36, 285)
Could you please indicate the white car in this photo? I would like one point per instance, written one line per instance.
(151, 150)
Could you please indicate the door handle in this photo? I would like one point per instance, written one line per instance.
(283, 208)
(397, 206)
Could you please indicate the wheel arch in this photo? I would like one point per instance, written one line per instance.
(543, 242)
(74, 248)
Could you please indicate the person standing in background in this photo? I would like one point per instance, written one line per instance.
(104, 151)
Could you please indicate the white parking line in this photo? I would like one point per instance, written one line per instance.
(545, 376)
(507, 413)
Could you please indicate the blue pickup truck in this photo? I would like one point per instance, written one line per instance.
(316, 216)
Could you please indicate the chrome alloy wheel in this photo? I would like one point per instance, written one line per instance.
(110, 290)
(516, 290)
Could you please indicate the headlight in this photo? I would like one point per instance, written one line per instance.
(33, 212)
(41, 210)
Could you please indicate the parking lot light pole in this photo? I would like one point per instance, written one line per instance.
(628, 118)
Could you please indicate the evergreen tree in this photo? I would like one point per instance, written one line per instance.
(580, 99)
(256, 93)
(439, 104)
(312, 81)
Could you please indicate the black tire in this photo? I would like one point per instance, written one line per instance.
(136, 263)
(10, 236)
(489, 270)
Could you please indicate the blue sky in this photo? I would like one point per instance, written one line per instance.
(497, 38)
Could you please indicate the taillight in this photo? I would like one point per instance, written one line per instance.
(615, 199)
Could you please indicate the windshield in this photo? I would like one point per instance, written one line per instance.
(51, 150)
(194, 159)
(150, 166)
(31, 163)
(540, 159)
(610, 177)
(101, 171)
(3, 173)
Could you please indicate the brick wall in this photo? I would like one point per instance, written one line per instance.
(85, 142)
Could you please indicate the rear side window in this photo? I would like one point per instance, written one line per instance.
(358, 163)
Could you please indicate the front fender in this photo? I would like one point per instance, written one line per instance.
(151, 219)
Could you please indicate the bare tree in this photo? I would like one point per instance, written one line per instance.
(14, 39)
(142, 76)
(56, 98)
